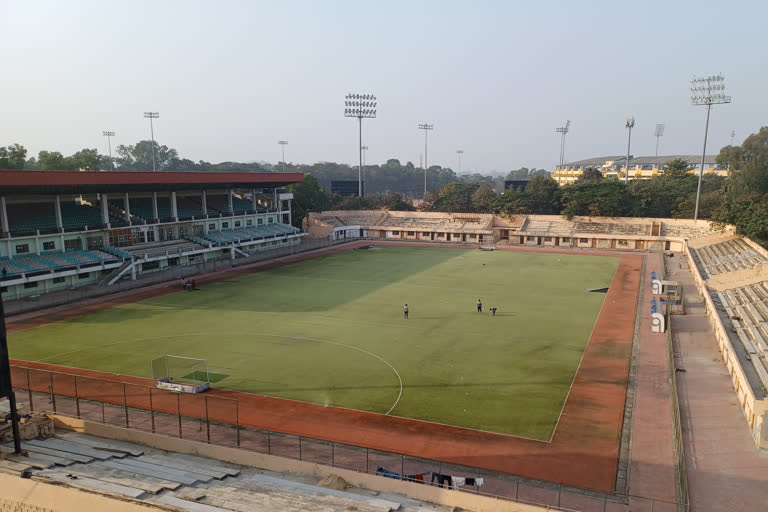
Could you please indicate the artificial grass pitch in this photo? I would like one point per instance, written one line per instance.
(331, 331)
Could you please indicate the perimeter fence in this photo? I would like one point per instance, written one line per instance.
(218, 420)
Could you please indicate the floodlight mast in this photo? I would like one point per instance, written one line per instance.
(733, 136)
(360, 106)
(109, 135)
(282, 144)
(563, 130)
(707, 91)
(151, 116)
(459, 152)
(658, 133)
(629, 124)
(426, 127)
(365, 149)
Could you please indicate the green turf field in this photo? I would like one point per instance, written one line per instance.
(331, 331)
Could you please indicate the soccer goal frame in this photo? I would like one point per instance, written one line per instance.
(181, 374)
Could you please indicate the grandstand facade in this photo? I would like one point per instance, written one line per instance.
(63, 230)
(640, 167)
(518, 230)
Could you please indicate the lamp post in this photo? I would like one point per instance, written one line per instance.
(364, 149)
(360, 106)
(109, 135)
(459, 152)
(282, 144)
(563, 130)
(733, 136)
(658, 133)
(707, 91)
(426, 128)
(628, 124)
(151, 116)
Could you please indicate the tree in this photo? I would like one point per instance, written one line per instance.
(677, 168)
(544, 194)
(482, 198)
(455, 197)
(307, 197)
(753, 175)
(138, 157)
(13, 157)
(591, 174)
(606, 198)
(85, 159)
(51, 161)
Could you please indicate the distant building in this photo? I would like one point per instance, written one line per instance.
(640, 167)
(515, 184)
(347, 188)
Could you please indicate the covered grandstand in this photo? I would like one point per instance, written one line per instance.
(64, 229)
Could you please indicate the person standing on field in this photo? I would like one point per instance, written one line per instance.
(405, 311)
(479, 306)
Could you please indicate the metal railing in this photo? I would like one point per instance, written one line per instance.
(176, 272)
(220, 421)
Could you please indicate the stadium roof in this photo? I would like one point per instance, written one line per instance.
(75, 182)
(639, 160)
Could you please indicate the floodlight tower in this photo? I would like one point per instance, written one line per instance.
(629, 124)
(109, 135)
(707, 91)
(733, 135)
(151, 116)
(360, 106)
(658, 133)
(282, 144)
(459, 152)
(426, 128)
(562, 131)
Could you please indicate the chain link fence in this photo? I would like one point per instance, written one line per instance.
(216, 420)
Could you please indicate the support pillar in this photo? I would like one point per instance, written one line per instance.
(59, 224)
(154, 206)
(290, 220)
(254, 204)
(3, 215)
(174, 210)
(204, 201)
(229, 199)
(104, 209)
(127, 207)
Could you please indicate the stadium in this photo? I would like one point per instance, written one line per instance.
(150, 313)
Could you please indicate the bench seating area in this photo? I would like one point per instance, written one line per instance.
(220, 203)
(613, 228)
(547, 227)
(684, 230)
(165, 248)
(29, 217)
(747, 310)
(728, 256)
(227, 236)
(53, 260)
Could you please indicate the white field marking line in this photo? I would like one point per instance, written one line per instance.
(399, 378)
(346, 320)
(559, 416)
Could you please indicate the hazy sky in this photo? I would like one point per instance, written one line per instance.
(495, 78)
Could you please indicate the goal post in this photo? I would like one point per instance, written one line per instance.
(181, 374)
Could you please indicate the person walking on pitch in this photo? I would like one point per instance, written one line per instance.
(479, 306)
(405, 311)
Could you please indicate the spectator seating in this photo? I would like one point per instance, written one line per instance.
(165, 248)
(220, 203)
(53, 260)
(74, 215)
(30, 217)
(188, 207)
(728, 256)
(227, 236)
(546, 227)
(612, 228)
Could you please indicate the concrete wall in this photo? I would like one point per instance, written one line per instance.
(448, 497)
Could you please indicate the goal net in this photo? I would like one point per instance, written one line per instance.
(182, 374)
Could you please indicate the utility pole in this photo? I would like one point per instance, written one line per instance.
(459, 152)
(426, 128)
(707, 91)
(151, 116)
(360, 106)
(629, 124)
(563, 130)
(109, 135)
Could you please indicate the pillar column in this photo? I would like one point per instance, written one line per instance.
(127, 207)
(254, 204)
(229, 199)
(3, 215)
(174, 210)
(290, 220)
(154, 205)
(204, 201)
(104, 209)
(57, 208)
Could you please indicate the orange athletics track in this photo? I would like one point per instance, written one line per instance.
(583, 453)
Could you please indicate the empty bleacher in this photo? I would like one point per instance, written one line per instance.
(684, 230)
(188, 207)
(30, 217)
(53, 260)
(727, 256)
(74, 216)
(547, 227)
(612, 228)
(166, 248)
(220, 203)
(747, 309)
(245, 234)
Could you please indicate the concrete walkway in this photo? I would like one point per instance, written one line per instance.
(726, 472)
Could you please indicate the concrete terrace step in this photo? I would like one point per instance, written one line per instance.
(147, 471)
(71, 447)
(97, 442)
(91, 484)
(115, 476)
(192, 506)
